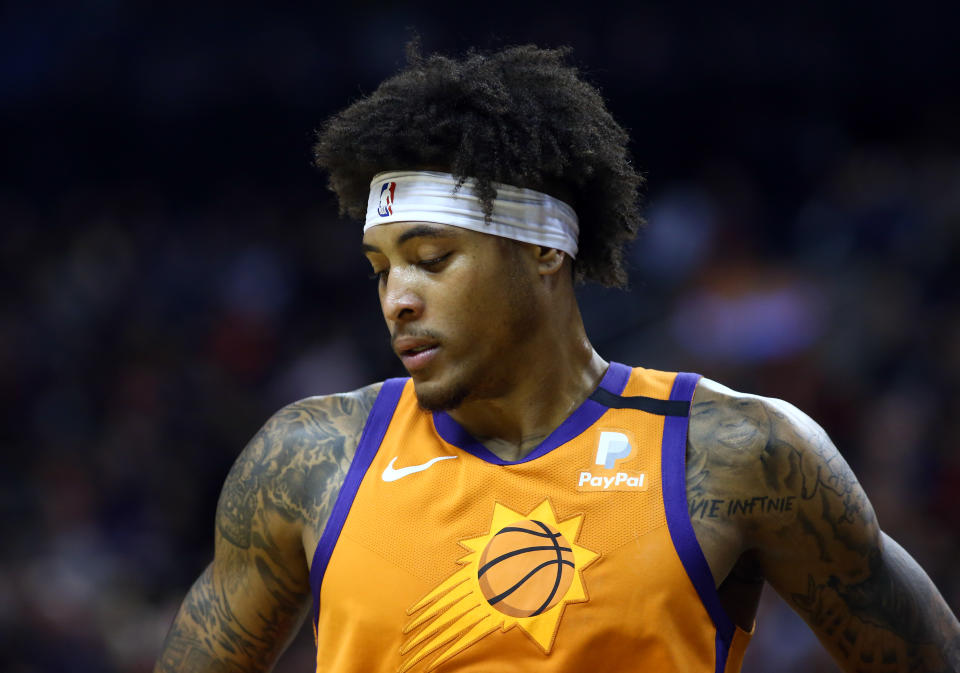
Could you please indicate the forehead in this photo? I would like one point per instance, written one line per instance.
(397, 233)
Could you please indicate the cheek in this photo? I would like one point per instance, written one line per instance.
(509, 310)
(489, 298)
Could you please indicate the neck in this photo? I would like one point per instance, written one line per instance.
(555, 374)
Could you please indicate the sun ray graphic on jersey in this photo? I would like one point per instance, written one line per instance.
(456, 614)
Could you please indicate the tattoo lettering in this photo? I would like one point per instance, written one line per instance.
(712, 508)
(715, 508)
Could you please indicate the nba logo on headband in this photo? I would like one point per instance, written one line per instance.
(385, 208)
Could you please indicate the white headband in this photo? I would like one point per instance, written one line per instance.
(425, 196)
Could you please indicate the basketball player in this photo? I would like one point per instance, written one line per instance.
(519, 503)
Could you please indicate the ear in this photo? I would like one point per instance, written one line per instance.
(549, 260)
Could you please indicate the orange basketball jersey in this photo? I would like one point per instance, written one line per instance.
(439, 556)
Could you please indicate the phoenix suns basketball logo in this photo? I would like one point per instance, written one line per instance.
(521, 573)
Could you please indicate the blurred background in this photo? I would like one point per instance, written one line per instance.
(173, 270)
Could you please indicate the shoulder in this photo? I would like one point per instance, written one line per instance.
(292, 468)
(729, 426)
(774, 466)
(327, 425)
(729, 442)
(748, 430)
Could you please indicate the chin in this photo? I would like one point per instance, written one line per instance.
(434, 397)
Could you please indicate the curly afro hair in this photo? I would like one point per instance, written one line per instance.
(521, 116)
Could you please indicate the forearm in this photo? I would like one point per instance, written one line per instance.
(187, 649)
(892, 620)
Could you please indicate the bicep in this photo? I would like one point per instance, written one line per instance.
(215, 630)
(259, 577)
(243, 609)
(865, 598)
(240, 613)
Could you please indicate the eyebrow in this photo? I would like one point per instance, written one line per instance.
(419, 231)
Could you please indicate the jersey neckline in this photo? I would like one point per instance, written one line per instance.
(588, 413)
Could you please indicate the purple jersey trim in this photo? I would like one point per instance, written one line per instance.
(673, 468)
(722, 648)
(373, 432)
(588, 413)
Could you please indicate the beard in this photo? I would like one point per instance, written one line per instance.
(445, 399)
(469, 380)
(472, 379)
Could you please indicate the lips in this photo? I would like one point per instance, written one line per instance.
(415, 352)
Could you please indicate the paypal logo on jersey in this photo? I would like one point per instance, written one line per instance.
(613, 446)
(386, 199)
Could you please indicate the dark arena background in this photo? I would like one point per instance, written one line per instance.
(173, 269)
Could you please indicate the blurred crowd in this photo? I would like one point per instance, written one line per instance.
(173, 270)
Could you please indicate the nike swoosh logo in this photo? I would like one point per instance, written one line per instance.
(391, 474)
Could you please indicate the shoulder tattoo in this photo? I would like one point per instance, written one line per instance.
(295, 462)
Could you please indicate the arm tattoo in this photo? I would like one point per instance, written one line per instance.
(203, 628)
(866, 598)
(893, 620)
(244, 608)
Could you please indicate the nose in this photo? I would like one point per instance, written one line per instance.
(401, 302)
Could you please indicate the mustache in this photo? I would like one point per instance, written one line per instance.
(415, 333)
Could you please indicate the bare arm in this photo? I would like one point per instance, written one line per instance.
(868, 601)
(814, 536)
(245, 607)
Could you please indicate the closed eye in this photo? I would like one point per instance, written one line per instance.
(434, 262)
